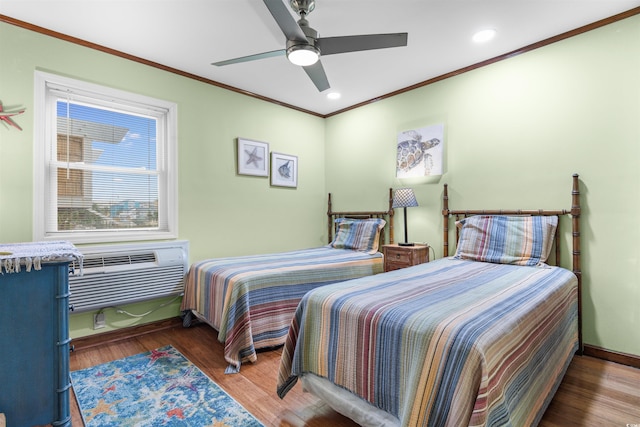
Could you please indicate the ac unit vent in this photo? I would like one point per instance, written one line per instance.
(116, 275)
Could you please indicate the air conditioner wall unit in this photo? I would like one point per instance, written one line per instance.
(114, 275)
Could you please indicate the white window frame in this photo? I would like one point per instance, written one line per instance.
(45, 193)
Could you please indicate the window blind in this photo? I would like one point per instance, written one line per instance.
(106, 163)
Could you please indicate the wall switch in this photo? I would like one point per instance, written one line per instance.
(99, 320)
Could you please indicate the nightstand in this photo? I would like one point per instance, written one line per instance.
(396, 257)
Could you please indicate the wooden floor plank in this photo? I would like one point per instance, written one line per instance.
(594, 392)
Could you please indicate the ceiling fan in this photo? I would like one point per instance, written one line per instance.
(304, 47)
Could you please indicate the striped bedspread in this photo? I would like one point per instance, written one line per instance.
(447, 343)
(251, 300)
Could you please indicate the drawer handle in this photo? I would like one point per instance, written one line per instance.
(397, 256)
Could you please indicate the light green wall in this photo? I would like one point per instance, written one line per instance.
(220, 213)
(515, 132)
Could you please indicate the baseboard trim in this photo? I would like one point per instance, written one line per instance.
(90, 341)
(612, 356)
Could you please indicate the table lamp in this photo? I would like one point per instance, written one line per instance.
(404, 198)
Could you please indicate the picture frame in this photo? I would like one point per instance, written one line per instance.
(420, 152)
(253, 157)
(284, 170)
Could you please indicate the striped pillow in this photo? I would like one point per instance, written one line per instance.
(358, 234)
(517, 240)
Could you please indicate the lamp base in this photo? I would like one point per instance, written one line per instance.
(406, 244)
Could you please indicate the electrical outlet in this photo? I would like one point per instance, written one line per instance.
(99, 320)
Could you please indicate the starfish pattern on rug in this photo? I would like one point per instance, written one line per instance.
(177, 412)
(157, 388)
(108, 389)
(117, 375)
(102, 408)
(157, 354)
(185, 380)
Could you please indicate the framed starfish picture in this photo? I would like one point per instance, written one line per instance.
(253, 157)
(284, 170)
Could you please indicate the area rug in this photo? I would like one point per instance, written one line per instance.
(156, 388)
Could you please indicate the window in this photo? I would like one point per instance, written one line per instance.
(104, 163)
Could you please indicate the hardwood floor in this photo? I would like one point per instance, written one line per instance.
(593, 393)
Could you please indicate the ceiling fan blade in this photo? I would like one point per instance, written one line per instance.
(254, 57)
(285, 21)
(333, 45)
(318, 76)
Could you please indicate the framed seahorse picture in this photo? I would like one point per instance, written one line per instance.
(284, 170)
(420, 152)
(253, 157)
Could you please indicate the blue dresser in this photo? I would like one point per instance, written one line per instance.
(35, 344)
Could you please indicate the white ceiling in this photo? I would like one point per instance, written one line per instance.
(189, 35)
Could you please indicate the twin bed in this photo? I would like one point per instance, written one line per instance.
(480, 339)
(250, 300)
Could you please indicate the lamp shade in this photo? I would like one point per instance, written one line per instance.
(404, 198)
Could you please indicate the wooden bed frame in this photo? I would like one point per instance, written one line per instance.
(386, 215)
(574, 212)
(332, 394)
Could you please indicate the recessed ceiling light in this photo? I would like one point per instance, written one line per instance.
(333, 95)
(484, 35)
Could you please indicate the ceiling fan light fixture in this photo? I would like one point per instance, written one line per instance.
(303, 55)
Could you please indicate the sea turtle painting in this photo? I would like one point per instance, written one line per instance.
(413, 156)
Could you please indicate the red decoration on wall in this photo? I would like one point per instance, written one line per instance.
(5, 116)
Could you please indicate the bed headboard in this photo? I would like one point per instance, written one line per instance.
(574, 212)
(386, 215)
